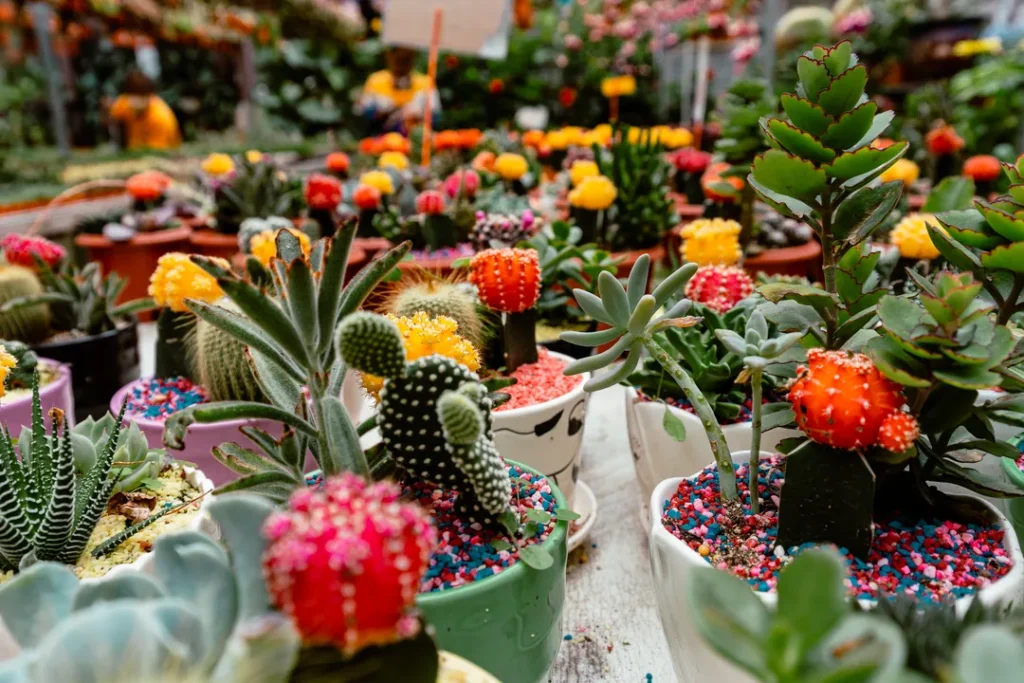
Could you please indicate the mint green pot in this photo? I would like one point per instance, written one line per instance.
(1015, 506)
(509, 624)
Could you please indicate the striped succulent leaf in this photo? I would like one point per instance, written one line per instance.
(60, 513)
(86, 522)
(108, 546)
(12, 500)
(41, 460)
(93, 482)
(11, 467)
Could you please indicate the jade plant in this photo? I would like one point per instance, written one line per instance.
(816, 633)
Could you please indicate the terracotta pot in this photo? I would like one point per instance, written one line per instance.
(917, 201)
(803, 261)
(438, 265)
(372, 245)
(134, 260)
(212, 243)
(629, 259)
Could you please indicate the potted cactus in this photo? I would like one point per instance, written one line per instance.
(450, 453)
(54, 385)
(245, 608)
(887, 415)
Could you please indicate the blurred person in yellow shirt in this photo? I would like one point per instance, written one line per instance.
(146, 120)
(396, 97)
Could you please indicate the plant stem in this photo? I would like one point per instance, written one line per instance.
(719, 447)
(1010, 305)
(828, 256)
(756, 378)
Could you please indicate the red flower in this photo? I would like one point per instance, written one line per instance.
(719, 288)
(148, 185)
(943, 139)
(507, 280)
(567, 96)
(451, 61)
(714, 175)
(470, 138)
(323, 192)
(366, 197)
(447, 139)
(983, 168)
(430, 202)
(20, 249)
(337, 162)
(468, 182)
(496, 86)
(345, 563)
(690, 160)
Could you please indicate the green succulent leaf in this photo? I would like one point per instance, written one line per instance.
(851, 127)
(955, 193)
(788, 175)
(813, 76)
(970, 228)
(806, 115)
(809, 295)
(673, 426)
(798, 142)
(729, 617)
(894, 363)
(536, 557)
(1003, 223)
(1008, 257)
(865, 162)
(839, 58)
(863, 211)
(968, 377)
(812, 595)
(957, 254)
(989, 654)
(789, 207)
(845, 91)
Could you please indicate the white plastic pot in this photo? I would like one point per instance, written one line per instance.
(672, 562)
(657, 456)
(548, 436)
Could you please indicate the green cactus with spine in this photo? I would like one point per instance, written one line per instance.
(47, 511)
(29, 324)
(27, 362)
(434, 417)
(220, 364)
(254, 226)
(441, 298)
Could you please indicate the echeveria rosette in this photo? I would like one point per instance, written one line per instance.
(989, 242)
(630, 315)
(822, 167)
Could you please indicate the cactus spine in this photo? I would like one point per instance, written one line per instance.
(441, 298)
(220, 364)
(30, 324)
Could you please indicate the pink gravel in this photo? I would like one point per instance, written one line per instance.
(539, 382)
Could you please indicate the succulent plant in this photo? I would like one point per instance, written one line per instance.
(253, 226)
(437, 297)
(502, 230)
(287, 324)
(26, 323)
(257, 190)
(26, 362)
(434, 417)
(79, 299)
(134, 461)
(219, 362)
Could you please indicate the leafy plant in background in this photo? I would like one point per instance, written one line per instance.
(258, 190)
(23, 103)
(825, 637)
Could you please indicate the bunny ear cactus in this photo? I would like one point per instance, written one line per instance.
(434, 417)
(630, 315)
(288, 326)
(820, 171)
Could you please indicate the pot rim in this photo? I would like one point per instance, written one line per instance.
(559, 535)
(526, 411)
(180, 233)
(146, 422)
(664, 490)
(132, 321)
(63, 377)
(633, 394)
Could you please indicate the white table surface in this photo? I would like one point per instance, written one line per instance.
(610, 609)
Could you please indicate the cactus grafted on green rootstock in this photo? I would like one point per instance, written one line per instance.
(29, 324)
(434, 417)
(821, 171)
(47, 512)
(441, 298)
(220, 364)
(633, 327)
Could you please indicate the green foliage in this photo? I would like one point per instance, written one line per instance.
(220, 363)
(80, 299)
(31, 323)
(642, 212)
(253, 226)
(288, 325)
(257, 190)
(372, 343)
(27, 361)
(740, 111)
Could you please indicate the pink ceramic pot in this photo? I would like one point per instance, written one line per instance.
(201, 439)
(56, 394)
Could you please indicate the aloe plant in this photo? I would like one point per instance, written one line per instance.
(287, 321)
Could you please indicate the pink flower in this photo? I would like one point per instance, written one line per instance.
(596, 35)
(561, 61)
(640, 9)
(671, 40)
(468, 181)
(626, 29)
(21, 250)
(627, 50)
(745, 51)
(573, 42)
(430, 202)
(856, 21)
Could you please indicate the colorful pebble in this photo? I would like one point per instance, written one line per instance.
(539, 382)
(158, 399)
(932, 559)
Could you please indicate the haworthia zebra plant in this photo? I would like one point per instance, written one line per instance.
(287, 319)
(47, 512)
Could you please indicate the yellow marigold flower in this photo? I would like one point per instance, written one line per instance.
(7, 363)
(603, 133)
(911, 237)
(511, 166)
(591, 138)
(594, 193)
(395, 160)
(677, 138)
(218, 164)
(425, 336)
(583, 169)
(557, 140)
(264, 245)
(254, 156)
(176, 278)
(971, 48)
(618, 86)
(378, 179)
(574, 135)
(905, 170)
(711, 241)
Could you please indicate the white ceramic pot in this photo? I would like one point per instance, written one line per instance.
(657, 456)
(548, 436)
(672, 562)
(200, 522)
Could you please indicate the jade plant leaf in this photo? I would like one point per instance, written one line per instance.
(813, 77)
(851, 127)
(673, 426)
(957, 254)
(812, 595)
(955, 193)
(1008, 257)
(970, 227)
(863, 211)
(838, 59)
(789, 207)
(968, 377)
(903, 317)
(845, 91)
(730, 617)
(1005, 224)
(989, 654)
(806, 115)
(785, 174)
(894, 363)
(798, 142)
(878, 127)
(865, 161)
